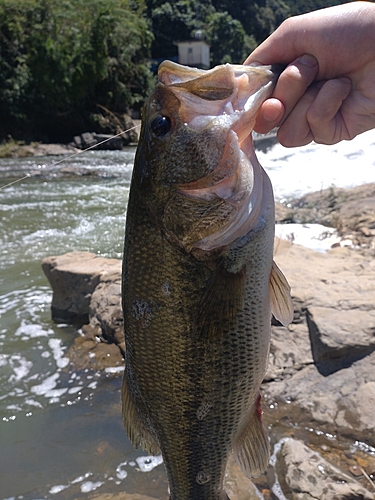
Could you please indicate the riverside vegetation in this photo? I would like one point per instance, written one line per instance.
(63, 65)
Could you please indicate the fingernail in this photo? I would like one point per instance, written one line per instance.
(308, 60)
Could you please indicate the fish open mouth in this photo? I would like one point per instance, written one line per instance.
(226, 97)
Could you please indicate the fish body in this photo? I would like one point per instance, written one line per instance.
(199, 280)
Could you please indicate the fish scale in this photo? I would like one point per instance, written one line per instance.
(197, 313)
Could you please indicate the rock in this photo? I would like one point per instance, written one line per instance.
(76, 171)
(87, 289)
(70, 170)
(340, 333)
(74, 277)
(106, 309)
(263, 142)
(334, 296)
(324, 366)
(37, 149)
(109, 124)
(340, 279)
(93, 140)
(321, 371)
(94, 354)
(88, 140)
(342, 403)
(289, 351)
(350, 211)
(108, 141)
(305, 475)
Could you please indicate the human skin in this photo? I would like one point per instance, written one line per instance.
(326, 93)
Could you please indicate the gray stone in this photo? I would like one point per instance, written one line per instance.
(305, 475)
(341, 278)
(88, 139)
(93, 354)
(340, 333)
(73, 277)
(106, 310)
(289, 351)
(107, 141)
(350, 211)
(341, 403)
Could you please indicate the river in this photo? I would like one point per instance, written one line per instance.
(61, 434)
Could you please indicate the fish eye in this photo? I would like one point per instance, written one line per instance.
(160, 125)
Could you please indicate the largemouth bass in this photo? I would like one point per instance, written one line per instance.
(199, 282)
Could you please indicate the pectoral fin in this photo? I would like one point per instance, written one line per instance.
(137, 432)
(281, 300)
(252, 449)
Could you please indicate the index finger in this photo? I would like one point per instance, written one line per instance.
(294, 81)
(291, 86)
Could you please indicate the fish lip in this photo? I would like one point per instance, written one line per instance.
(222, 95)
(241, 121)
(244, 123)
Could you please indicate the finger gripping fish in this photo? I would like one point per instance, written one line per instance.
(199, 282)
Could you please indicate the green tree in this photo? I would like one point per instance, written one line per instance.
(228, 39)
(59, 59)
(175, 21)
(302, 6)
(269, 15)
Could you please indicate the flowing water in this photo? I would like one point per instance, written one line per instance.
(61, 434)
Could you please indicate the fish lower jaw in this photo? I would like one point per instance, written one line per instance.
(244, 190)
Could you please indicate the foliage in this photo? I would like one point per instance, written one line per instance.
(301, 6)
(231, 28)
(228, 39)
(174, 21)
(59, 59)
(62, 61)
(9, 147)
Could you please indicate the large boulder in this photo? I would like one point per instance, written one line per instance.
(325, 363)
(87, 292)
(303, 474)
(74, 277)
(350, 211)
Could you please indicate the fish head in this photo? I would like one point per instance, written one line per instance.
(200, 173)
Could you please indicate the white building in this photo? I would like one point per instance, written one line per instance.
(194, 53)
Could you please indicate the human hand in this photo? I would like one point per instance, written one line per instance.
(327, 91)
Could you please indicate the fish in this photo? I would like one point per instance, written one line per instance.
(199, 281)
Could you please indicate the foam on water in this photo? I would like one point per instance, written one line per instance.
(90, 481)
(33, 360)
(20, 366)
(295, 172)
(276, 488)
(149, 462)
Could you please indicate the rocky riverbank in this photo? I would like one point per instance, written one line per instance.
(319, 391)
(110, 135)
